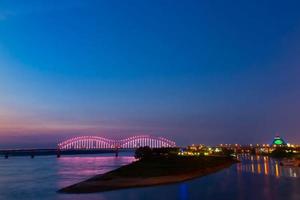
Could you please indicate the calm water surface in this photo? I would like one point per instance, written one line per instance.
(256, 177)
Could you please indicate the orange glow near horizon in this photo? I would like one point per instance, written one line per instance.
(12, 123)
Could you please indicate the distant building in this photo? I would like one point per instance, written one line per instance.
(197, 147)
(278, 141)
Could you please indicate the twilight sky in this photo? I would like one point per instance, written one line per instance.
(193, 71)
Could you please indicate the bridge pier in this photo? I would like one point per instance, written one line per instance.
(32, 154)
(58, 153)
(117, 152)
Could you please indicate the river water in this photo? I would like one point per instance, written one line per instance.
(256, 177)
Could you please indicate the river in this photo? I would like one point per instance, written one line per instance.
(256, 177)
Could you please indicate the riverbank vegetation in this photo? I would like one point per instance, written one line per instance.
(284, 152)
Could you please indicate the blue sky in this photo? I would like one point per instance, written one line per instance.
(205, 72)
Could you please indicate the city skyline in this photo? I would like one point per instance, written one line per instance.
(196, 72)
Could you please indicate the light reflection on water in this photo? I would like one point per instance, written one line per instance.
(74, 169)
(266, 166)
(256, 177)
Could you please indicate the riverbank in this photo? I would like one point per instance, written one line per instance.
(152, 171)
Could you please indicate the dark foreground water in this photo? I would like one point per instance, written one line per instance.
(39, 178)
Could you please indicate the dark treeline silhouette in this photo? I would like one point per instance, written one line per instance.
(282, 152)
(147, 152)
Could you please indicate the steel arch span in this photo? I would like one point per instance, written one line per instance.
(95, 142)
(146, 140)
(87, 142)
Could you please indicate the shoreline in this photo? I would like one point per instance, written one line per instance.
(109, 181)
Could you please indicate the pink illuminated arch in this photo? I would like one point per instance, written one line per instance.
(95, 142)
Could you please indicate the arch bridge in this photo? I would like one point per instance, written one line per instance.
(96, 142)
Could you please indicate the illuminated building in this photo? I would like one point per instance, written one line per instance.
(278, 141)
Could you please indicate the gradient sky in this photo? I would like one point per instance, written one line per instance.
(193, 71)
